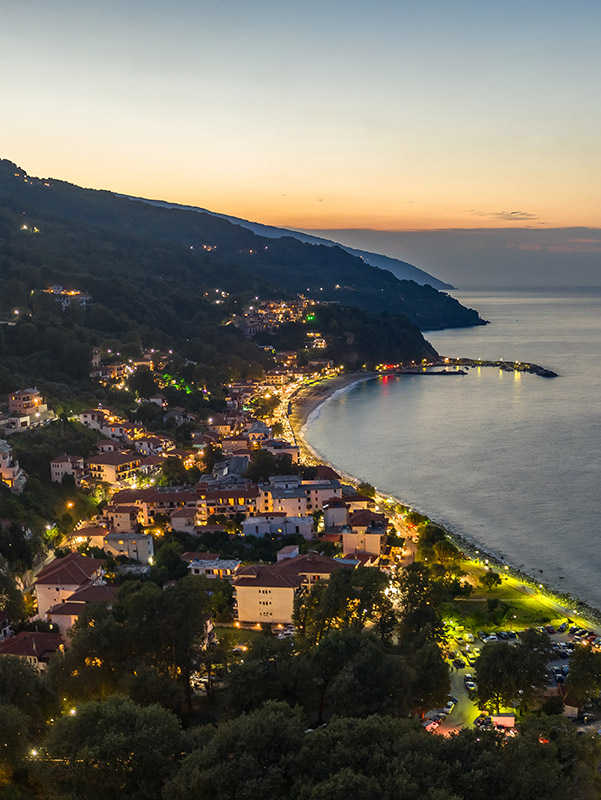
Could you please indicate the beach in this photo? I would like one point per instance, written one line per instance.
(309, 399)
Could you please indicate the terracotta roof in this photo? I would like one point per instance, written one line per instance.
(290, 572)
(334, 502)
(94, 594)
(184, 512)
(325, 473)
(28, 643)
(365, 517)
(72, 569)
(114, 459)
(66, 609)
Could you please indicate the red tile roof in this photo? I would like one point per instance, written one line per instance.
(28, 643)
(73, 569)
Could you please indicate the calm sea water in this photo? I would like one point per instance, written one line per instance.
(511, 461)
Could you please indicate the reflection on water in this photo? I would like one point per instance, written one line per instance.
(508, 459)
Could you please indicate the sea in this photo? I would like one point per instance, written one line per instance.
(511, 461)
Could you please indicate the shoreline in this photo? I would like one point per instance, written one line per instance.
(309, 400)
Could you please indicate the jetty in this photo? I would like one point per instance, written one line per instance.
(460, 366)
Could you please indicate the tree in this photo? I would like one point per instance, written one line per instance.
(367, 489)
(173, 472)
(113, 748)
(250, 757)
(490, 580)
(420, 621)
(431, 684)
(264, 464)
(508, 675)
(584, 678)
(353, 670)
(349, 599)
(142, 382)
(14, 737)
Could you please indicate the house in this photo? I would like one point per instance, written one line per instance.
(365, 532)
(335, 513)
(220, 425)
(62, 577)
(279, 447)
(290, 551)
(34, 647)
(10, 472)
(183, 520)
(224, 568)
(106, 445)
(65, 614)
(113, 468)
(265, 593)
(276, 377)
(67, 465)
(158, 400)
(26, 402)
(228, 502)
(279, 524)
(318, 491)
(68, 297)
(122, 518)
(137, 546)
(156, 500)
(92, 535)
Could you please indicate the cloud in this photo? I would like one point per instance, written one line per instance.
(511, 216)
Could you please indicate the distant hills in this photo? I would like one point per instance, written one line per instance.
(179, 280)
(401, 269)
(216, 253)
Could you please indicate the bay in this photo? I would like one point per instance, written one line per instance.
(507, 459)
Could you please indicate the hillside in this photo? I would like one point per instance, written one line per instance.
(401, 269)
(237, 256)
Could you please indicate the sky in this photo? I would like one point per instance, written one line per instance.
(395, 116)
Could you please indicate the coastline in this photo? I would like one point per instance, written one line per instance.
(306, 403)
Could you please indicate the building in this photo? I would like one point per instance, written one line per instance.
(364, 533)
(122, 518)
(114, 468)
(26, 402)
(278, 524)
(67, 465)
(279, 447)
(10, 472)
(227, 502)
(67, 298)
(62, 577)
(137, 546)
(65, 614)
(335, 513)
(224, 568)
(92, 535)
(34, 647)
(265, 593)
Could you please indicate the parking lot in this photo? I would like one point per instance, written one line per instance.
(463, 653)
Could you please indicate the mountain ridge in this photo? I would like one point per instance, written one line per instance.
(400, 269)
